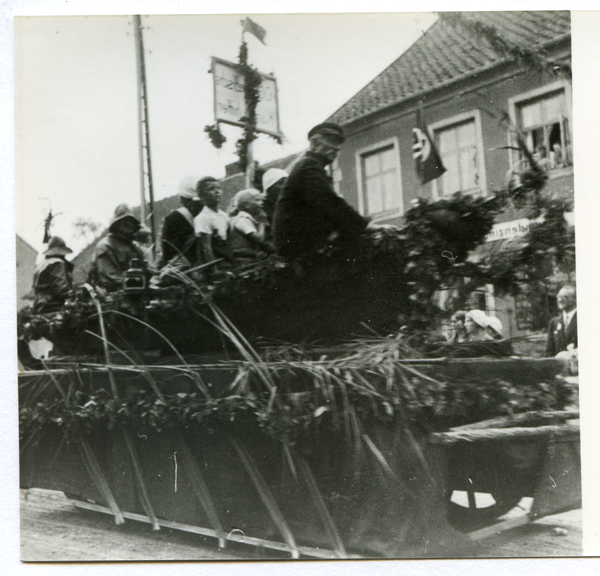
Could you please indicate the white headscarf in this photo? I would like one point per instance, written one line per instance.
(272, 176)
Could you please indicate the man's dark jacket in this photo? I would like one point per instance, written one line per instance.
(177, 238)
(559, 336)
(308, 210)
(113, 256)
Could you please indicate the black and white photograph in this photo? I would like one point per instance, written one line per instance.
(298, 286)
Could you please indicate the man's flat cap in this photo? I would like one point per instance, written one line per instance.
(329, 129)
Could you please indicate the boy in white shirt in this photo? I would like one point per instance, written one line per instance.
(211, 224)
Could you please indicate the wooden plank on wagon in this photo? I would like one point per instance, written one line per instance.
(232, 536)
(561, 433)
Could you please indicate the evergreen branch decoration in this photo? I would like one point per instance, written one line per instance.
(216, 136)
(435, 250)
(314, 400)
(252, 81)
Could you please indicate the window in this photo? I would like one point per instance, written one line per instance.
(459, 144)
(482, 299)
(542, 117)
(380, 192)
(458, 149)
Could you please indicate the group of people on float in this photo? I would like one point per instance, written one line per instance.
(296, 214)
(198, 232)
(292, 216)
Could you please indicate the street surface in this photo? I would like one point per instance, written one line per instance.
(52, 529)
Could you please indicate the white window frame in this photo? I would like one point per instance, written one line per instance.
(516, 101)
(395, 144)
(448, 123)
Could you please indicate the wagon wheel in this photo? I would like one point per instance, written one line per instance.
(486, 482)
(472, 509)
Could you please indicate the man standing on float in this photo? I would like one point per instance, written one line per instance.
(309, 214)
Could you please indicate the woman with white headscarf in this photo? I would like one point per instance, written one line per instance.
(476, 324)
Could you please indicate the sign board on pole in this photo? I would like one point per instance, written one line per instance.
(230, 106)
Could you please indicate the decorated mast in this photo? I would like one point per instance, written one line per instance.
(244, 97)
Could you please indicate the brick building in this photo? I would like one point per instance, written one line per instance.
(464, 82)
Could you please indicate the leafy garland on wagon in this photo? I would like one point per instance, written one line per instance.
(337, 399)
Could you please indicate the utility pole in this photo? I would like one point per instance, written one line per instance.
(144, 130)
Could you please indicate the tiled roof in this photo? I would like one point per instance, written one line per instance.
(449, 50)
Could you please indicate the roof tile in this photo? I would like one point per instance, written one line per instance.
(450, 50)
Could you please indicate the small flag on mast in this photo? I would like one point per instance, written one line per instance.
(252, 27)
(427, 160)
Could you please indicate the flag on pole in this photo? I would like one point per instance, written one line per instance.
(252, 27)
(427, 160)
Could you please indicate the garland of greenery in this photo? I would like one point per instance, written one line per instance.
(217, 138)
(333, 396)
(252, 82)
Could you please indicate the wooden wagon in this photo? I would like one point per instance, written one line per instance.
(331, 457)
(316, 458)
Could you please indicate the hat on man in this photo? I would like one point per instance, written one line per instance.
(123, 212)
(328, 129)
(57, 247)
(479, 317)
(272, 176)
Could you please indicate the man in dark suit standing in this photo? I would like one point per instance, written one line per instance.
(309, 213)
(562, 332)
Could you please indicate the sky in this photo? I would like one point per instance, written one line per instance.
(76, 121)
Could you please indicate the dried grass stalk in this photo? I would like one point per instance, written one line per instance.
(200, 488)
(267, 497)
(321, 507)
(97, 476)
(139, 478)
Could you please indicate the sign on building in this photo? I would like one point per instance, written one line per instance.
(508, 230)
(230, 105)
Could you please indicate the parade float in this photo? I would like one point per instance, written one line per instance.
(308, 407)
(312, 407)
